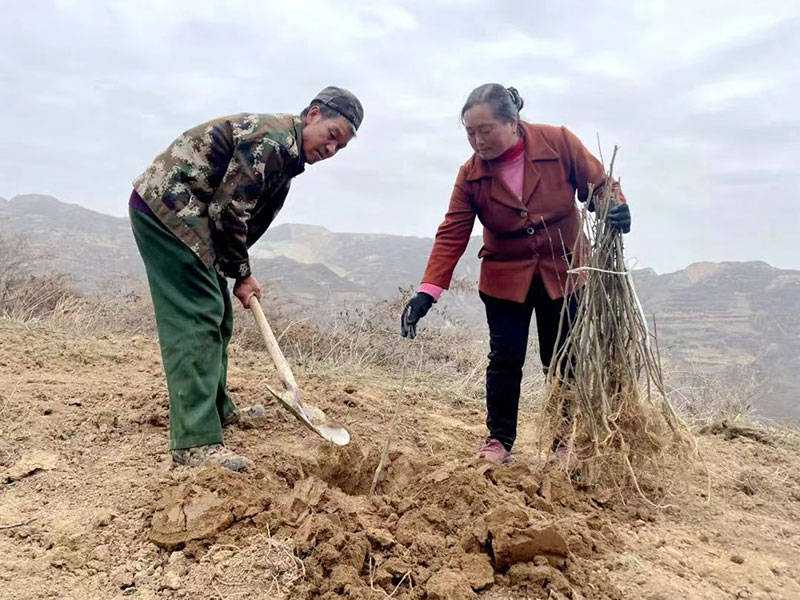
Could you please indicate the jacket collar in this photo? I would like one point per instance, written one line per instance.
(298, 165)
(536, 148)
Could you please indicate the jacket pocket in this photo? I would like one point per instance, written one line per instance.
(507, 278)
(484, 253)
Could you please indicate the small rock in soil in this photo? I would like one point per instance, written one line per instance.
(448, 585)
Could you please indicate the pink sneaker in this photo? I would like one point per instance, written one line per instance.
(494, 452)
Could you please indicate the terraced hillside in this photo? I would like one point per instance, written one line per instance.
(731, 320)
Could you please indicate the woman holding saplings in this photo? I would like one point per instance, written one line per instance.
(521, 183)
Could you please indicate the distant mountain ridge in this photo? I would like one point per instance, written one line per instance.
(377, 262)
(69, 235)
(722, 319)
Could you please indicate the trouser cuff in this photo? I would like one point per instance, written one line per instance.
(198, 439)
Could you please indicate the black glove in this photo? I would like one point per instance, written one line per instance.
(416, 308)
(619, 218)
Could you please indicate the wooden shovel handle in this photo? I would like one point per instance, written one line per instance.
(284, 372)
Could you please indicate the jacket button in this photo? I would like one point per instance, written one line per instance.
(523, 213)
(530, 230)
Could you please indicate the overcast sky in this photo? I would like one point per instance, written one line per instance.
(702, 97)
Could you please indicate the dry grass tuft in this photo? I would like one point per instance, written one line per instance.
(708, 399)
(368, 338)
(29, 298)
(265, 562)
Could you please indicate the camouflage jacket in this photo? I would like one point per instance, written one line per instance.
(219, 185)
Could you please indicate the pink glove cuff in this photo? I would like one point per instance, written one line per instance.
(432, 290)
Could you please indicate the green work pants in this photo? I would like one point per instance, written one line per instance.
(194, 319)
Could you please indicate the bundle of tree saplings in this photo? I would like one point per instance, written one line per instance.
(606, 410)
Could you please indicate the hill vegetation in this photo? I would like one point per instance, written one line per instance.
(736, 325)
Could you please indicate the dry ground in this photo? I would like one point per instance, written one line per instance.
(86, 486)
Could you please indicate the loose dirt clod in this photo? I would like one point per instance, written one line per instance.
(511, 546)
(448, 585)
(29, 465)
(204, 507)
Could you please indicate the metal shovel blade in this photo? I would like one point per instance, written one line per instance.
(310, 416)
(335, 435)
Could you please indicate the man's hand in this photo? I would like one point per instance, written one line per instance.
(619, 218)
(416, 308)
(246, 289)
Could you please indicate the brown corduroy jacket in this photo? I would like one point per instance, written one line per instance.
(522, 236)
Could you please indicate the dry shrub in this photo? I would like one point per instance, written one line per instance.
(368, 337)
(707, 399)
(724, 404)
(364, 336)
(29, 298)
(35, 297)
(606, 401)
(127, 313)
(23, 295)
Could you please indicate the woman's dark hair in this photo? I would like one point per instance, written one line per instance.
(504, 102)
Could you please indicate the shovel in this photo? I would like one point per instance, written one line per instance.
(310, 416)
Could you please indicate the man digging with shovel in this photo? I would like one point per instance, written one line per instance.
(195, 212)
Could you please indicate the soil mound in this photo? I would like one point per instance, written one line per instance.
(437, 529)
(446, 532)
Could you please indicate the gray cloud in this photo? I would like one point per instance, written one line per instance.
(701, 98)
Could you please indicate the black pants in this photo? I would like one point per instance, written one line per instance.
(508, 340)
